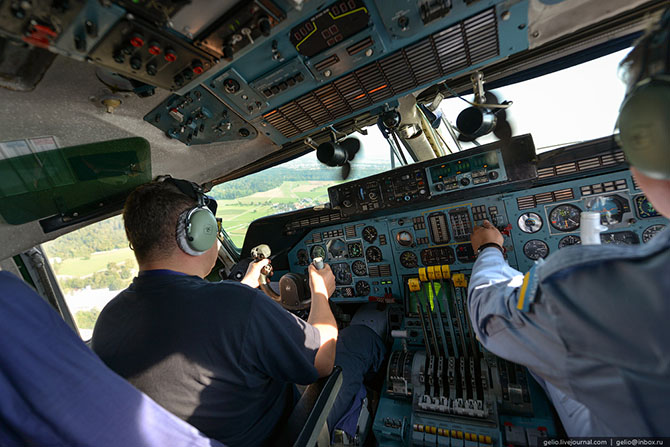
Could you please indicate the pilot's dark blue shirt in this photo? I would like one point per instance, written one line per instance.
(222, 356)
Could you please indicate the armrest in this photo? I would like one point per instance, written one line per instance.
(309, 416)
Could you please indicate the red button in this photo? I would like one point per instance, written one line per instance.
(170, 55)
(155, 48)
(137, 41)
(197, 70)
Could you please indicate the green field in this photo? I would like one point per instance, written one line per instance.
(80, 267)
(239, 213)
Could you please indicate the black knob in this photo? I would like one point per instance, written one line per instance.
(264, 26)
(243, 132)
(80, 43)
(439, 187)
(465, 181)
(136, 63)
(152, 69)
(91, 28)
(493, 175)
(227, 51)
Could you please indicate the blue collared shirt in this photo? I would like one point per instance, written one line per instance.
(591, 324)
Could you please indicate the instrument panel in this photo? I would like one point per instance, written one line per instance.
(374, 255)
(416, 256)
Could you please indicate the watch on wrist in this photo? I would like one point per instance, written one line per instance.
(490, 244)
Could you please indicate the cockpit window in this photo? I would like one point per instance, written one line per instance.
(568, 106)
(92, 265)
(572, 105)
(296, 184)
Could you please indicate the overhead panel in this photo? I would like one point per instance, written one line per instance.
(464, 44)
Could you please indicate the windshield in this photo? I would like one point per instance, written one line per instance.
(568, 106)
(571, 105)
(297, 184)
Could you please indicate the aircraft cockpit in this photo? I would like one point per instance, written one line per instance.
(370, 134)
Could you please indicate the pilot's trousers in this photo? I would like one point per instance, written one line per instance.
(359, 351)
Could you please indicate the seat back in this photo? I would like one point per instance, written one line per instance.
(308, 419)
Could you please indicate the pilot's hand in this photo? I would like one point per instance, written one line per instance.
(254, 272)
(485, 234)
(322, 281)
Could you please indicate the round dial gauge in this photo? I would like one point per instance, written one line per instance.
(373, 254)
(651, 232)
(644, 207)
(359, 268)
(565, 217)
(369, 234)
(611, 208)
(362, 288)
(303, 258)
(409, 260)
(404, 238)
(569, 240)
(355, 250)
(318, 252)
(337, 249)
(342, 273)
(620, 238)
(536, 249)
(530, 222)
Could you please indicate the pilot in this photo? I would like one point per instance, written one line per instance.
(591, 322)
(56, 391)
(221, 355)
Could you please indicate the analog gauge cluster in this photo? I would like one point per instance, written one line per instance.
(651, 231)
(362, 288)
(536, 249)
(317, 251)
(369, 234)
(342, 273)
(373, 254)
(355, 250)
(337, 249)
(644, 208)
(359, 268)
(409, 260)
(569, 240)
(620, 238)
(612, 208)
(404, 238)
(565, 217)
(530, 222)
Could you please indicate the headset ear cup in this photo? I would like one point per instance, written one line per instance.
(644, 129)
(196, 231)
(182, 236)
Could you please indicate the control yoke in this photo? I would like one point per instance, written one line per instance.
(294, 292)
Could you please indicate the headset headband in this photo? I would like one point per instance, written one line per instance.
(194, 191)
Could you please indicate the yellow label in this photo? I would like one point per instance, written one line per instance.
(459, 280)
(446, 271)
(414, 285)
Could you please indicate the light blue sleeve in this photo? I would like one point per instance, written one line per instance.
(528, 338)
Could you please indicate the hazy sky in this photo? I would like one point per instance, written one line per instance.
(576, 104)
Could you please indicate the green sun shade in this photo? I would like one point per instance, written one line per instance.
(36, 183)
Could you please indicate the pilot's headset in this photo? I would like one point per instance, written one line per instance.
(197, 227)
(644, 116)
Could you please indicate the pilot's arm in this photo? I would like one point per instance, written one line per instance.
(520, 333)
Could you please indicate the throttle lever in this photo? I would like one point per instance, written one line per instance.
(318, 263)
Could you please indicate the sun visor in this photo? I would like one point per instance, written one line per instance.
(38, 179)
